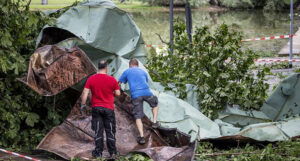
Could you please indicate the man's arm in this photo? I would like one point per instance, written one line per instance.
(123, 78)
(84, 96)
(117, 92)
(147, 79)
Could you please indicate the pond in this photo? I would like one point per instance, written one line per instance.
(252, 23)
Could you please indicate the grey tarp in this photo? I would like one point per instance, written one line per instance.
(102, 31)
(282, 106)
(106, 32)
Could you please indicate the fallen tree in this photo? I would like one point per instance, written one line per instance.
(216, 65)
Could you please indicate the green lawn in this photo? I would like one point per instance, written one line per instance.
(52, 4)
(57, 4)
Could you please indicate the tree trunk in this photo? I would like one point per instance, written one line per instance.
(44, 2)
(214, 2)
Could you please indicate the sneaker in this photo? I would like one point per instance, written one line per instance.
(96, 154)
(113, 156)
(155, 125)
(141, 140)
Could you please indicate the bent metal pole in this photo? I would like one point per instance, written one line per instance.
(291, 33)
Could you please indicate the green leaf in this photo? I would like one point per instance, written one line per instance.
(31, 119)
(206, 74)
(224, 75)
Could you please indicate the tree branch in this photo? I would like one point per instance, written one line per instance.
(28, 4)
(161, 39)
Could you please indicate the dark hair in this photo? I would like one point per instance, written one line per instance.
(102, 64)
(133, 62)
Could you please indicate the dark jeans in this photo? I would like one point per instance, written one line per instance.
(104, 119)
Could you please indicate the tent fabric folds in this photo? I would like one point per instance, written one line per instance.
(68, 52)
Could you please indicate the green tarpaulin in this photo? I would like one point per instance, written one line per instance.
(103, 31)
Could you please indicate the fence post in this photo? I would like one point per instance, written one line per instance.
(171, 25)
(291, 33)
(188, 20)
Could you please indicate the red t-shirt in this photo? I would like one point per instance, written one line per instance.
(102, 87)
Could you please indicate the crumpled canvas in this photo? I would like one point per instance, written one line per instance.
(75, 138)
(96, 30)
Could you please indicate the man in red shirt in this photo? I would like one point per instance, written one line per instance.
(103, 89)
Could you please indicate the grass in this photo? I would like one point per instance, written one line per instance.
(52, 4)
(57, 4)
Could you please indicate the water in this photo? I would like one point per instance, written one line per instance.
(252, 23)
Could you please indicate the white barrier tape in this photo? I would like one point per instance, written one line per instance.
(277, 60)
(19, 155)
(156, 46)
(246, 40)
(270, 38)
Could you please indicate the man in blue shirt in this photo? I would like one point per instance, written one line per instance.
(140, 92)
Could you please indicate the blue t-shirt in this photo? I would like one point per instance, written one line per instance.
(137, 80)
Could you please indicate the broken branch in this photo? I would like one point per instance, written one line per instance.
(161, 39)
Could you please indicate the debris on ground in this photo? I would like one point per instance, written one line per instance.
(93, 30)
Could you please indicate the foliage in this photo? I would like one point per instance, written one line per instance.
(193, 3)
(274, 5)
(237, 3)
(297, 70)
(25, 116)
(280, 151)
(216, 64)
(278, 5)
(135, 157)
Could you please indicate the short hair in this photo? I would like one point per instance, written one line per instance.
(134, 62)
(102, 64)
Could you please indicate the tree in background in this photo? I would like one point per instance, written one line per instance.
(44, 2)
(274, 5)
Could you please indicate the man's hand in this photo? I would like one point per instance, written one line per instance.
(84, 96)
(82, 107)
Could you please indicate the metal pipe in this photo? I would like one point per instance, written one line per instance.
(291, 33)
(188, 20)
(171, 25)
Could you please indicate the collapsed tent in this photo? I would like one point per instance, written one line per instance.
(95, 30)
(68, 53)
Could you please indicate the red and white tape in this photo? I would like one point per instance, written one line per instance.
(246, 40)
(155, 46)
(277, 60)
(19, 155)
(270, 38)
